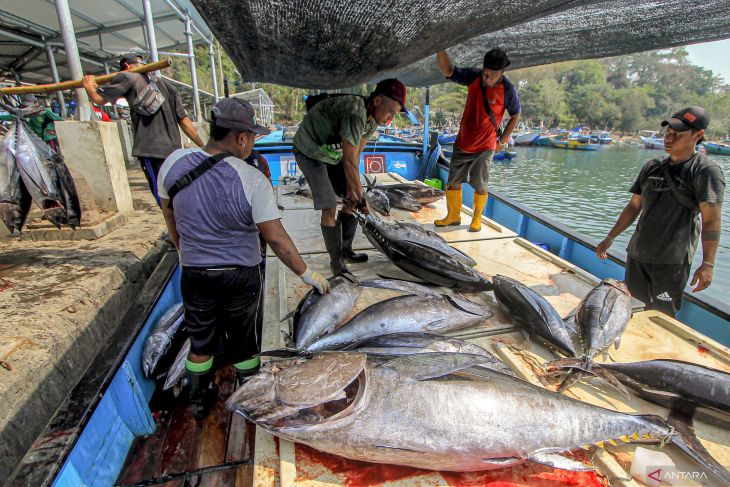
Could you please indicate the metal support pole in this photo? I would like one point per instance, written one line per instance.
(66, 26)
(211, 54)
(220, 63)
(54, 73)
(106, 68)
(193, 73)
(426, 120)
(150, 31)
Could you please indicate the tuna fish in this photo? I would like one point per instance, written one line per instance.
(395, 344)
(377, 200)
(674, 384)
(601, 318)
(394, 412)
(160, 340)
(401, 199)
(177, 376)
(422, 193)
(533, 313)
(327, 312)
(423, 256)
(15, 201)
(433, 314)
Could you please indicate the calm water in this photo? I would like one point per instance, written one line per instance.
(587, 190)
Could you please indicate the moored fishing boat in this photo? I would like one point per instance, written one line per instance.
(99, 433)
(717, 148)
(573, 144)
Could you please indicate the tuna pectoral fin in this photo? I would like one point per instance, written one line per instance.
(425, 366)
(495, 463)
(684, 438)
(558, 461)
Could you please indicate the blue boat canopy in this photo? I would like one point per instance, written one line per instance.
(340, 43)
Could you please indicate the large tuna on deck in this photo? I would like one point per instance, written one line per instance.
(410, 313)
(424, 254)
(532, 312)
(393, 412)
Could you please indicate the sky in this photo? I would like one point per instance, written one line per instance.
(712, 55)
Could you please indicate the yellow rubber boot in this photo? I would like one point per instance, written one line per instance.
(453, 205)
(480, 200)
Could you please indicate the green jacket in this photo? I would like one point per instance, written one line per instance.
(41, 124)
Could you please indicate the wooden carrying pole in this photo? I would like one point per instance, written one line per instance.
(69, 85)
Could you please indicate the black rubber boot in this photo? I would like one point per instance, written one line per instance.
(333, 243)
(348, 223)
(203, 392)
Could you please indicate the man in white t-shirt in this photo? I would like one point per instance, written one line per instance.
(215, 222)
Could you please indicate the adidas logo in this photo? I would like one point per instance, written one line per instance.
(664, 297)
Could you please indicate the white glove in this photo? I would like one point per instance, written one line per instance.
(315, 280)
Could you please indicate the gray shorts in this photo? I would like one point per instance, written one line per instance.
(472, 167)
(326, 181)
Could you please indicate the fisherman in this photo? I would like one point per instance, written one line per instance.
(670, 196)
(327, 147)
(156, 135)
(40, 120)
(489, 95)
(215, 221)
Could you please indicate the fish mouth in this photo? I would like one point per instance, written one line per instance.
(303, 392)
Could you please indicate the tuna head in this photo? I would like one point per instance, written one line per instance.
(302, 392)
(620, 285)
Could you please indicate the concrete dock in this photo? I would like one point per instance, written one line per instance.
(59, 302)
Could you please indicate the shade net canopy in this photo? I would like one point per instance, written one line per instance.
(327, 44)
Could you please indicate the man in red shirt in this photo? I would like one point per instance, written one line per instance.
(479, 135)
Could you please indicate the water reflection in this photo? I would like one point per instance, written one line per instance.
(587, 191)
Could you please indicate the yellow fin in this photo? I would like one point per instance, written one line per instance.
(647, 436)
(599, 444)
(586, 447)
(613, 442)
(635, 436)
(624, 438)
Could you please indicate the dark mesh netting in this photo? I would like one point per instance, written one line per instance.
(336, 44)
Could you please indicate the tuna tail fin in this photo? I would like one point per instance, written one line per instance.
(683, 437)
(580, 368)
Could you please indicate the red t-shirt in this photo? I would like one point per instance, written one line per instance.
(477, 132)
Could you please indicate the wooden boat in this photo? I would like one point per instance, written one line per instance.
(527, 138)
(116, 427)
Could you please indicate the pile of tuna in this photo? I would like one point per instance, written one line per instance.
(31, 171)
(387, 384)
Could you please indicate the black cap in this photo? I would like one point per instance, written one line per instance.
(395, 89)
(236, 114)
(130, 58)
(690, 118)
(496, 59)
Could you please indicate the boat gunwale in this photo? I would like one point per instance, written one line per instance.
(83, 400)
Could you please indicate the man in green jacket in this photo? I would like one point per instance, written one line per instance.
(40, 120)
(327, 147)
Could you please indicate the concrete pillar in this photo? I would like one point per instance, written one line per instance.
(203, 129)
(125, 136)
(95, 150)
